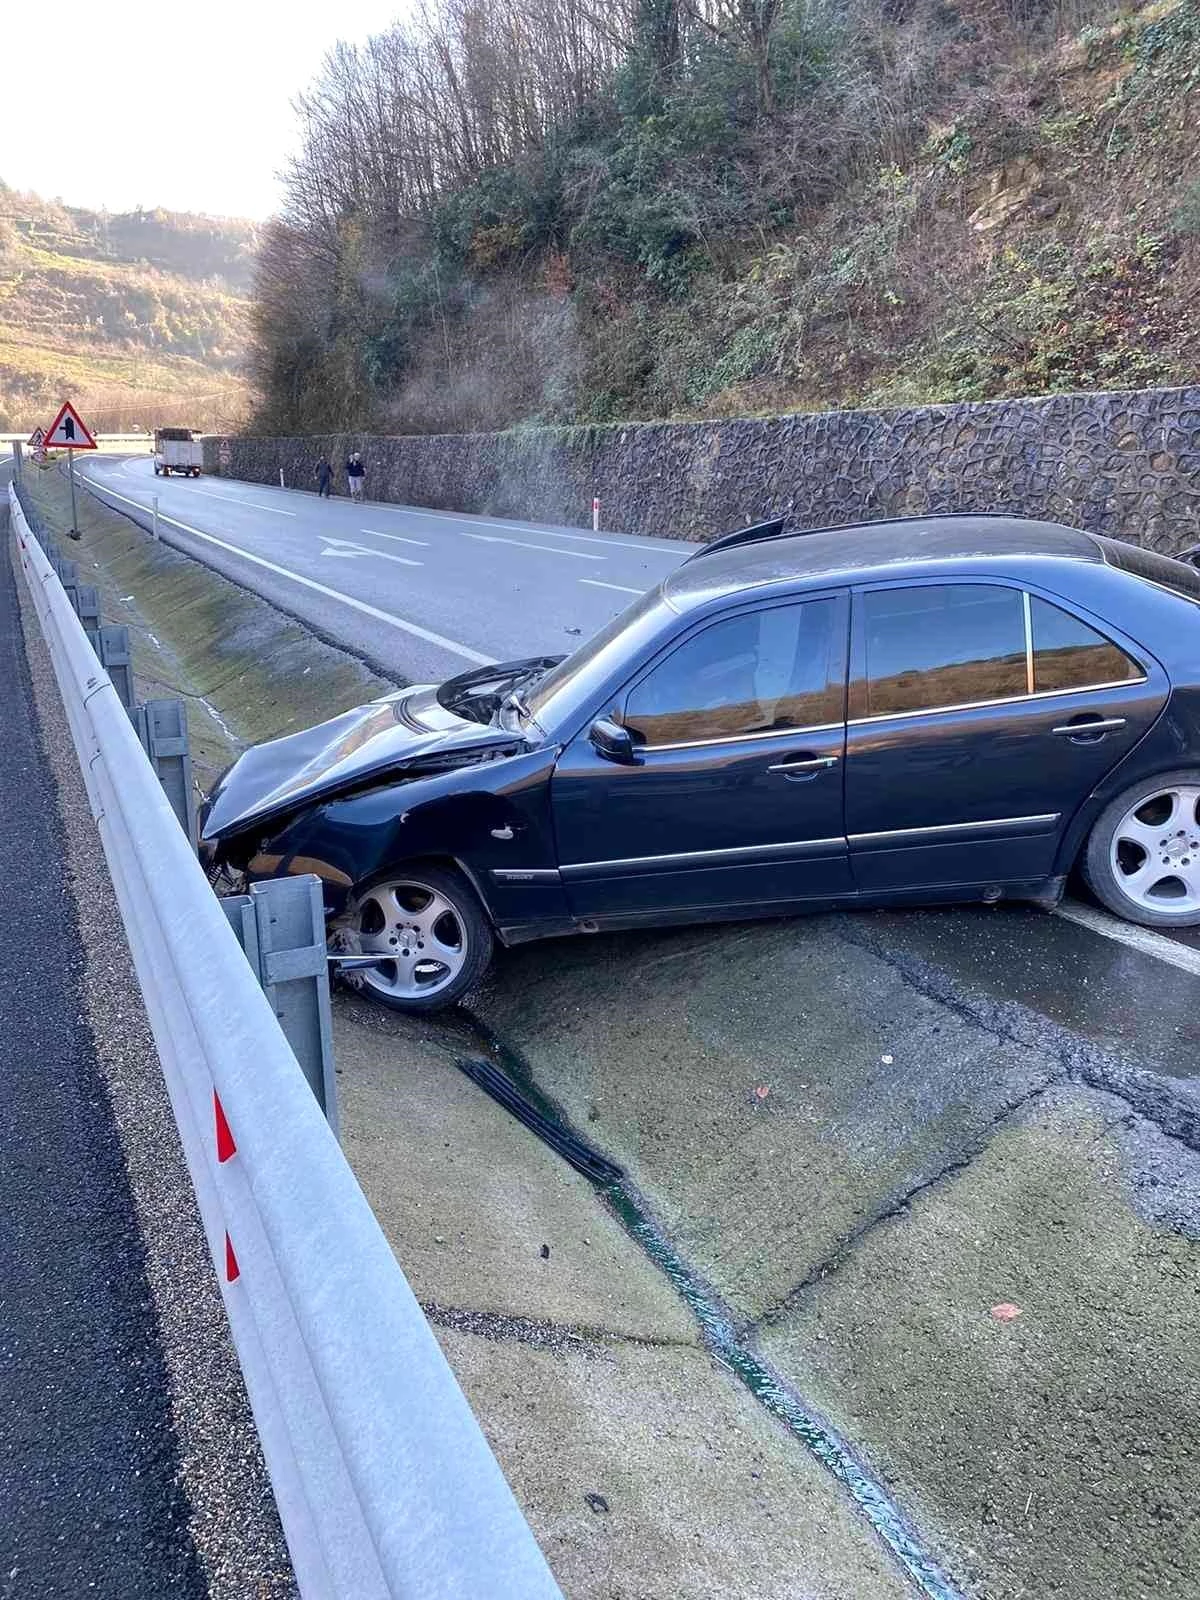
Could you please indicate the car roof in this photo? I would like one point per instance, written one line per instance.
(862, 549)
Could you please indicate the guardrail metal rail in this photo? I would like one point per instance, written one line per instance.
(385, 1484)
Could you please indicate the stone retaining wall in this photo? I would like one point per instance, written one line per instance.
(1124, 463)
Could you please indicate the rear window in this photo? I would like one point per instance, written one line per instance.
(1177, 576)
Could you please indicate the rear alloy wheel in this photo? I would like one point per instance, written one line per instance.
(432, 935)
(1143, 855)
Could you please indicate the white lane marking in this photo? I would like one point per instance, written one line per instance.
(347, 547)
(644, 542)
(613, 540)
(547, 550)
(397, 537)
(310, 583)
(1144, 940)
(598, 583)
(258, 506)
(589, 538)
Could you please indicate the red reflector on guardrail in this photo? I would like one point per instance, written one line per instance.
(225, 1143)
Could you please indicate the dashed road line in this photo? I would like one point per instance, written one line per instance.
(612, 540)
(621, 588)
(1144, 940)
(402, 623)
(399, 538)
(494, 538)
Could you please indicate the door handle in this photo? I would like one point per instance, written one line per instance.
(1087, 729)
(804, 765)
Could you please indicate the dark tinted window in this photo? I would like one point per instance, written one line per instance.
(943, 645)
(1067, 654)
(754, 673)
(1179, 576)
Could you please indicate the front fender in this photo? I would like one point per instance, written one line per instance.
(490, 818)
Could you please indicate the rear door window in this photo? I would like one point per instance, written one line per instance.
(930, 646)
(1068, 654)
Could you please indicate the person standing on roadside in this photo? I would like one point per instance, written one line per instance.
(324, 477)
(355, 473)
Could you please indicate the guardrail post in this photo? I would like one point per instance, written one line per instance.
(162, 728)
(280, 925)
(86, 600)
(114, 657)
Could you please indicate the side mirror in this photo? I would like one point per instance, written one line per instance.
(615, 743)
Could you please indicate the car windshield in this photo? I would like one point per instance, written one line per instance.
(590, 661)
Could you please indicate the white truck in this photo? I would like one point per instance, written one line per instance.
(177, 450)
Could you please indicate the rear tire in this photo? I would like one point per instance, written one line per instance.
(1142, 859)
(428, 924)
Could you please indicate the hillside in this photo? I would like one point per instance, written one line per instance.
(141, 318)
(668, 209)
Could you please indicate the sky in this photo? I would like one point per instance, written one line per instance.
(175, 105)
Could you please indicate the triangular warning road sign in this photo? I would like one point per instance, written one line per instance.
(37, 438)
(68, 431)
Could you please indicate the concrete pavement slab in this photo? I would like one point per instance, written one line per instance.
(772, 1088)
(482, 1216)
(1017, 1356)
(647, 1475)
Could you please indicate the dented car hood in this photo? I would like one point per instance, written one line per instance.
(408, 731)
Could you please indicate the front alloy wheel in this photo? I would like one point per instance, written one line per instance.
(433, 939)
(1143, 858)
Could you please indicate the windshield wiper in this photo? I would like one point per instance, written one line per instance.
(514, 700)
(482, 692)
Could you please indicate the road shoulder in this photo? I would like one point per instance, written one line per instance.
(231, 1517)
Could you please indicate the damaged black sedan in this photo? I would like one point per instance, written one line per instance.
(936, 709)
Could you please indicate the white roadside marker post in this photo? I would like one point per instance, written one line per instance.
(595, 514)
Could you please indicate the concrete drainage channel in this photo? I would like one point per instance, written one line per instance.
(512, 1087)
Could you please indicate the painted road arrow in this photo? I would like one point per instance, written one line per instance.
(347, 550)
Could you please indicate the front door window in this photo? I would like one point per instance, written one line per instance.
(759, 673)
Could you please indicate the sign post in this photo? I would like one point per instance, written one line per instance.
(69, 432)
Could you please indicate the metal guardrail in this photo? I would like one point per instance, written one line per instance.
(385, 1485)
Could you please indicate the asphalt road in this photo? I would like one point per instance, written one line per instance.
(429, 593)
(90, 1501)
(422, 593)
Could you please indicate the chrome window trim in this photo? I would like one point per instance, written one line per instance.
(750, 852)
(1009, 700)
(742, 738)
(1049, 817)
(1027, 610)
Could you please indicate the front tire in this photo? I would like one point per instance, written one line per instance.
(1143, 854)
(428, 925)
